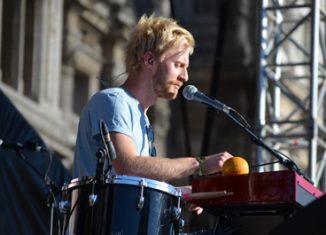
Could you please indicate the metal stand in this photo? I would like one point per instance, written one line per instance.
(51, 204)
(291, 86)
(101, 156)
(52, 188)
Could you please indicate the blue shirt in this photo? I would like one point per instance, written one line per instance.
(122, 113)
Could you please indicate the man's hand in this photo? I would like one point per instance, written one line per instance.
(186, 190)
(214, 163)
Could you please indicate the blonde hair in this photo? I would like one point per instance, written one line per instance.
(157, 35)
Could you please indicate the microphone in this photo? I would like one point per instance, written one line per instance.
(191, 92)
(107, 140)
(19, 146)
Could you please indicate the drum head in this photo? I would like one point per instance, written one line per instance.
(148, 183)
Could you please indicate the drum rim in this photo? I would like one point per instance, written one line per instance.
(148, 183)
(77, 181)
(128, 180)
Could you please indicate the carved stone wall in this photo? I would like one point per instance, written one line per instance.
(51, 54)
(75, 47)
(70, 44)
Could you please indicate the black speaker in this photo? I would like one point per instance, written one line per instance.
(309, 220)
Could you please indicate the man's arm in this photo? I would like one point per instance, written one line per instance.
(159, 168)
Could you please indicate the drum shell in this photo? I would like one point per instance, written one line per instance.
(117, 211)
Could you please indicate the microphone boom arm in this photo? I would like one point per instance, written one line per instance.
(190, 92)
(233, 115)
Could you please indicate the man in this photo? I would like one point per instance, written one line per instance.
(157, 60)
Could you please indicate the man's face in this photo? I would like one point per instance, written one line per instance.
(171, 73)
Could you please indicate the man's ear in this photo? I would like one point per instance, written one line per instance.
(149, 58)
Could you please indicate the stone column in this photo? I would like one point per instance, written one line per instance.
(51, 86)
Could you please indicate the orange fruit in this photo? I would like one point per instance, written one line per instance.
(235, 166)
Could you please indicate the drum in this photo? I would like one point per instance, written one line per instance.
(123, 205)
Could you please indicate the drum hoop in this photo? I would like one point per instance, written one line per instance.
(149, 183)
(127, 180)
(77, 181)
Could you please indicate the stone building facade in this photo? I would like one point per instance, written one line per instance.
(55, 54)
(52, 54)
(31, 51)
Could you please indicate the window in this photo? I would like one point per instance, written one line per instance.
(81, 84)
(17, 44)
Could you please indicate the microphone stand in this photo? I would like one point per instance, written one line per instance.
(51, 201)
(108, 150)
(103, 156)
(240, 121)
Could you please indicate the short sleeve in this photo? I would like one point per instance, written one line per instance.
(114, 110)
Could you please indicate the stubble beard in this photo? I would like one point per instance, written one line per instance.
(162, 88)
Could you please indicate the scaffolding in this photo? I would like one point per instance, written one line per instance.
(291, 87)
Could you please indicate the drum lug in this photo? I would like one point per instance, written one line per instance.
(64, 206)
(181, 224)
(175, 213)
(141, 201)
(65, 203)
(92, 199)
(176, 217)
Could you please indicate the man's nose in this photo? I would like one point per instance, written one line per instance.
(184, 75)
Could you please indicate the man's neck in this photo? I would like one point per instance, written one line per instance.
(140, 87)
